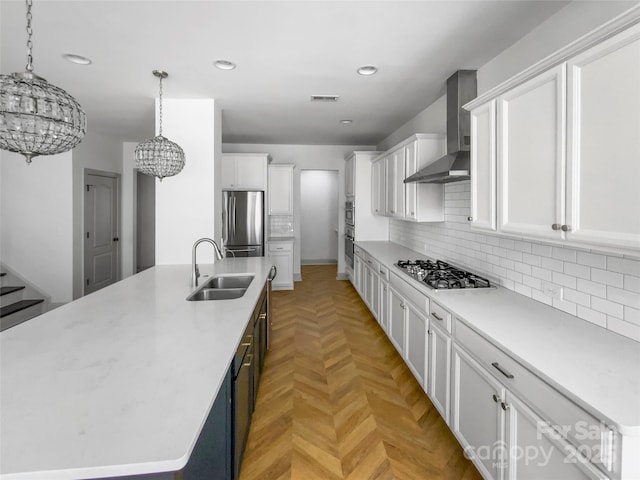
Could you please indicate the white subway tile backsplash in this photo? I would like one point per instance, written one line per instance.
(552, 264)
(607, 277)
(624, 265)
(541, 273)
(631, 283)
(592, 259)
(542, 250)
(592, 288)
(564, 280)
(600, 287)
(575, 270)
(623, 328)
(623, 296)
(592, 316)
(608, 307)
(565, 254)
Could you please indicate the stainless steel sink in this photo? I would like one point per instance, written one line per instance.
(229, 281)
(216, 294)
(222, 287)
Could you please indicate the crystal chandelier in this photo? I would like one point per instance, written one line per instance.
(37, 118)
(159, 156)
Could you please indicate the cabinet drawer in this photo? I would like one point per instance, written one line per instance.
(372, 262)
(440, 316)
(570, 421)
(383, 272)
(358, 251)
(281, 247)
(417, 298)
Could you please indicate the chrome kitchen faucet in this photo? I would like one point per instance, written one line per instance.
(195, 273)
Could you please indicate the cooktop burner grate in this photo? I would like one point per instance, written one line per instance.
(440, 275)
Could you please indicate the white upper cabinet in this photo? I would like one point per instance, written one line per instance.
(483, 167)
(568, 147)
(424, 202)
(531, 154)
(349, 177)
(395, 186)
(378, 187)
(244, 171)
(280, 189)
(603, 205)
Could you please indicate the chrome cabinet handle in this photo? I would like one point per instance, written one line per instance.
(469, 219)
(436, 316)
(496, 398)
(402, 306)
(250, 341)
(566, 228)
(497, 366)
(505, 406)
(556, 226)
(249, 360)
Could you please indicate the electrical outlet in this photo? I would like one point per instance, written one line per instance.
(552, 290)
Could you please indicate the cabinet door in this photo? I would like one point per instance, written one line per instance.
(378, 187)
(374, 292)
(439, 376)
(476, 419)
(284, 263)
(531, 154)
(395, 184)
(410, 189)
(251, 172)
(228, 171)
(535, 451)
(368, 287)
(383, 314)
(358, 274)
(280, 190)
(396, 320)
(349, 179)
(483, 167)
(604, 143)
(416, 354)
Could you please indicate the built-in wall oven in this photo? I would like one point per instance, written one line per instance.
(350, 214)
(348, 244)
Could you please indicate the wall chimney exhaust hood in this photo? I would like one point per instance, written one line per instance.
(462, 87)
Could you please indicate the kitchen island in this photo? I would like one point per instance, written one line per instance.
(120, 382)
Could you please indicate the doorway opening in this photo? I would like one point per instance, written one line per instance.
(318, 217)
(145, 221)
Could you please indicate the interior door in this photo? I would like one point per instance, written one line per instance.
(101, 252)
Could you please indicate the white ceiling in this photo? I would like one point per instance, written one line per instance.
(285, 52)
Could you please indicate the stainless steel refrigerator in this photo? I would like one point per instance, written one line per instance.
(243, 223)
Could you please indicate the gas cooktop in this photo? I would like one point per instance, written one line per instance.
(439, 275)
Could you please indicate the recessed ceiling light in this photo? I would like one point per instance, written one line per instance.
(224, 64)
(367, 70)
(73, 58)
(346, 121)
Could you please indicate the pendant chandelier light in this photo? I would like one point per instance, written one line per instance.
(37, 118)
(159, 156)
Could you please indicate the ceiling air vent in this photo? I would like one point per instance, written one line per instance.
(324, 98)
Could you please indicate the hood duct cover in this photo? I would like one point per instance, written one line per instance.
(462, 87)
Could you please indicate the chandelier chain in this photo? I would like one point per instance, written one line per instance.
(29, 34)
(160, 105)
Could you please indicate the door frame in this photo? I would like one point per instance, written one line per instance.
(85, 180)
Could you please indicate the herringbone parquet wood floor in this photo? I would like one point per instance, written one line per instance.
(336, 401)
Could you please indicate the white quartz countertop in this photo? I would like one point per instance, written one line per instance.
(119, 382)
(596, 368)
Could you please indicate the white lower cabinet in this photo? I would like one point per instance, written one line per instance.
(396, 320)
(439, 375)
(416, 351)
(383, 314)
(281, 253)
(503, 431)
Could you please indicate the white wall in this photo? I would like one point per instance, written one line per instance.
(185, 203)
(96, 152)
(306, 157)
(319, 219)
(587, 276)
(37, 221)
(128, 194)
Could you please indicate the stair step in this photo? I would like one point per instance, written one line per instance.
(7, 290)
(18, 306)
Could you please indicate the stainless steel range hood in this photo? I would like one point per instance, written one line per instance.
(462, 87)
